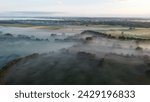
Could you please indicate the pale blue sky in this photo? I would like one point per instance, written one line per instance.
(80, 7)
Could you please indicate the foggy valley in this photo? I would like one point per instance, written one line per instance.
(74, 50)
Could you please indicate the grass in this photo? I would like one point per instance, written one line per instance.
(108, 29)
(29, 25)
(16, 25)
(137, 32)
(54, 27)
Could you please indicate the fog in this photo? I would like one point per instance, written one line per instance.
(99, 44)
(84, 58)
(39, 33)
(20, 42)
(78, 68)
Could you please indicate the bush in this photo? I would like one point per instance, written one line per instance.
(138, 48)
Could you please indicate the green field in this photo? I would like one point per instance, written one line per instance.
(16, 25)
(137, 32)
(108, 29)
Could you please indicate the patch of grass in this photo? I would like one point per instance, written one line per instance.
(137, 32)
(55, 27)
(16, 25)
(29, 25)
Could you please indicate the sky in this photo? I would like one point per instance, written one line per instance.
(90, 8)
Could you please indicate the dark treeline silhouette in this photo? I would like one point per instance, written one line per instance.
(121, 37)
(82, 21)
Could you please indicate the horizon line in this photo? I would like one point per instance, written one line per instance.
(65, 14)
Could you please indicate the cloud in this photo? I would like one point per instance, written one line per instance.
(29, 13)
(122, 0)
(59, 2)
(125, 0)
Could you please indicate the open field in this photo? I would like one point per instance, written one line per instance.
(137, 32)
(16, 25)
(49, 27)
(107, 29)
